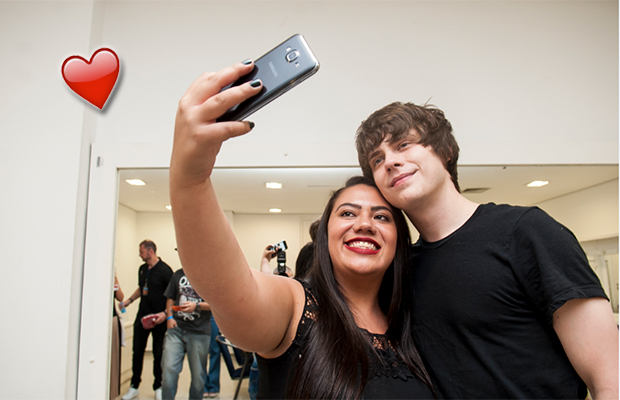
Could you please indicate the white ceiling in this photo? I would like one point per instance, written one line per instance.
(305, 190)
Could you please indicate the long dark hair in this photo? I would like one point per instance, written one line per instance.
(336, 350)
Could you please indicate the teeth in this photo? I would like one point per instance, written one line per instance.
(363, 245)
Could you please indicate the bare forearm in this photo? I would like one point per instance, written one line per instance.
(134, 296)
(589, 335)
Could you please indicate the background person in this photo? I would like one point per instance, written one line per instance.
(153, 278)
(306, 254)
(117, 341)
(189, 332)
(212, 380)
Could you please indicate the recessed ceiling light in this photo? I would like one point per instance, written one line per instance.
(275, 210)
(169, 207)
(537, 183)
(136, 182)
(273, 185)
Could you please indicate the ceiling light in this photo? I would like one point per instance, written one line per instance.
(169, 207)
(537, 183)
(275, 210)
(273, 185)
(136, 182)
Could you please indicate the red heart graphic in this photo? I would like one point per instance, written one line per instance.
(92, 80)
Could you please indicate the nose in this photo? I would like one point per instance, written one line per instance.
(393, 160)
(364, 223)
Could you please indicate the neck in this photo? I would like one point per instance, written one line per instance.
(152, 261)
(363, 301)
(439, 216)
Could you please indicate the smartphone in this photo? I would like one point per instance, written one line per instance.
(280, 70)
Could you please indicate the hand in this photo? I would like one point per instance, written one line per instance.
(188, 307)
(161, 317)
(268, 253)
(171, 323)
(197, 135)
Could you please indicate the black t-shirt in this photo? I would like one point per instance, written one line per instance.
(484, 300)
(392, 380)
(155, 280)
(180, 290)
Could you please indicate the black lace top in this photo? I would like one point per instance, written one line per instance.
(390, 380)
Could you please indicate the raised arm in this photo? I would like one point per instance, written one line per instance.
(264, 261)
(589, 335)
(254, 310)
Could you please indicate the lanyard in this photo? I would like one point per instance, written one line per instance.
(145, 290)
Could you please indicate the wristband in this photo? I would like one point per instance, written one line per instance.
(170, 317)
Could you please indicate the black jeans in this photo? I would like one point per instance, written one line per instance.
(140, 336)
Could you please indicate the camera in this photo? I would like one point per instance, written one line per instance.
(280, 252)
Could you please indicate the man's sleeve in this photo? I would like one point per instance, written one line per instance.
(550, 263)
(172, 288)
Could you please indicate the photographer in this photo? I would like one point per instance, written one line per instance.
(271, 252)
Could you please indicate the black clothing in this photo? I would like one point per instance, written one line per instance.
(180, 290)
(156, 281)
(392, 381)
(140, 337)
(152, 301)
(484, 300)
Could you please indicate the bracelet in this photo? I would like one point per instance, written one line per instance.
(170, 317)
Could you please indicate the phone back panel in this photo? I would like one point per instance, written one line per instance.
(281, 69)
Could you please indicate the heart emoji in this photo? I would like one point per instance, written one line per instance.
(92, 80)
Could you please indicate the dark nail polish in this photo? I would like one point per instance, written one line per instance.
(255, 83)
(247, 62)
(251, 124)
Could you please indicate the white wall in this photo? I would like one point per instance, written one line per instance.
(590, 214)
(522, 83)
(43, 166)
(254, 232)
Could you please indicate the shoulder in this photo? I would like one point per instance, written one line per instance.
(165, 267)
(508, 218)
(503, 210)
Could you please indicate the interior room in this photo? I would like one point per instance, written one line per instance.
(531, 90)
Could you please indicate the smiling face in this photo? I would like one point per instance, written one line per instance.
(362, 233)
(408, 173)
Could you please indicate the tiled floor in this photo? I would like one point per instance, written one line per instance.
(227, 386)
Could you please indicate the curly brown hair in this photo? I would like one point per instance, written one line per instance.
(396, 121)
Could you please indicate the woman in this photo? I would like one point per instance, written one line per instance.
(344, 335)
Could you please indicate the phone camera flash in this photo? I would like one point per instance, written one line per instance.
(292, 56)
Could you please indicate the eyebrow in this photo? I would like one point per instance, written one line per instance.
(373, 208)
(372, 155)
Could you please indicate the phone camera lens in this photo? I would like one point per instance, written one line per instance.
(292, 56)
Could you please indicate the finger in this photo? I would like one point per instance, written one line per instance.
(209, 83)
(216, 105)
(223, 131)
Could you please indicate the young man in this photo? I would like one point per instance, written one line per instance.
(153, 278)
(189, 332)
(506, 303)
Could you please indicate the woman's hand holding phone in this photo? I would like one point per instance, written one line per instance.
(197, 135)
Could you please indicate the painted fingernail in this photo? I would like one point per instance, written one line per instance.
(251, 124)
(246, 62)
(255, 83)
